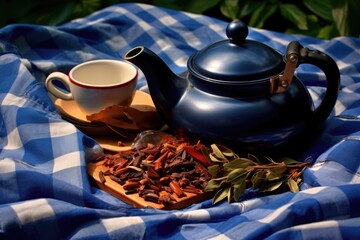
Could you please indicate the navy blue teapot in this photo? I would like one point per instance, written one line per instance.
(239, 92)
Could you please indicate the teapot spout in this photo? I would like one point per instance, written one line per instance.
(166, 88)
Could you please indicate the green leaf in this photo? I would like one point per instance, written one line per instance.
(241, 179)
(227, 152)
(321, 8)
(328, 32)
(52, 14)
(239, 190)
(217, 152)
(235, 174)
(214, 183)
(257, 179)
(221, 194)
(230, 8)
(295, 15)
(206, 153)
(344, 15)
(89, 6)
(238, 163)
(261, 14)
(278, 170)
(16, 10)
(271, 186)
(314, 26)
(275, 173)
(298, 181)
(293, 185)
(239, 9)
(229, 195)
(216, 160)
(287, 160)
(272, 176)
(214, 170)
(249, 7)
(198, 6)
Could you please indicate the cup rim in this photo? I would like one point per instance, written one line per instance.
(74, 81)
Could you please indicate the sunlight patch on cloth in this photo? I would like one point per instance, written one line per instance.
(193, 41)
(168, 20)
(194, 215)
(7, 166)
(254, 203)
(317, 166)
(269, 218)
(314, 190)
(339, 108)
(33, 211)
(136, 224)
(219, 237)
(320, 230)
(67, 161)
(144, 25)
(13, 140)
(61, 129)
(218, 29)
(12, 100)
(117, 43)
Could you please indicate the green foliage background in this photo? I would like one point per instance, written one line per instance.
(319, 18)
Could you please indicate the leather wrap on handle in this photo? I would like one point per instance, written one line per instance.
(332, 74)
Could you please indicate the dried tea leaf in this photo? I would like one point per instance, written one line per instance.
(135, 168)
(293, 185)
(221, 194)
(129, 118)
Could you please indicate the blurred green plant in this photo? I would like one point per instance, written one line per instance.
(319, 18)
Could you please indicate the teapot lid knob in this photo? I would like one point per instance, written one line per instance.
(237, 32)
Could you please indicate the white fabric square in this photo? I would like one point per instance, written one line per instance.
(67, 161)
(32, 211)
(60, 129)
(7, 166)
(114, 224)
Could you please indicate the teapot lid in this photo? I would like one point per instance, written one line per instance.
(236, 59)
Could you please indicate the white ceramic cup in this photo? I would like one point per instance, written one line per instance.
(97, 84)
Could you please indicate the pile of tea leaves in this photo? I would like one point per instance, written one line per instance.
(232, 174)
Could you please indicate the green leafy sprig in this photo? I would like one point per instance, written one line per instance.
(232, 174)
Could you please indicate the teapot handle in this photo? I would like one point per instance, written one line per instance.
(332, 74)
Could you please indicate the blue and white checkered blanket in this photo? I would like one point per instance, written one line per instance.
(45, 192)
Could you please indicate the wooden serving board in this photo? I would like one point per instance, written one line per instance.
(118, 191)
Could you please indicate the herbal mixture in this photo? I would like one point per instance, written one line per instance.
(158, 172)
